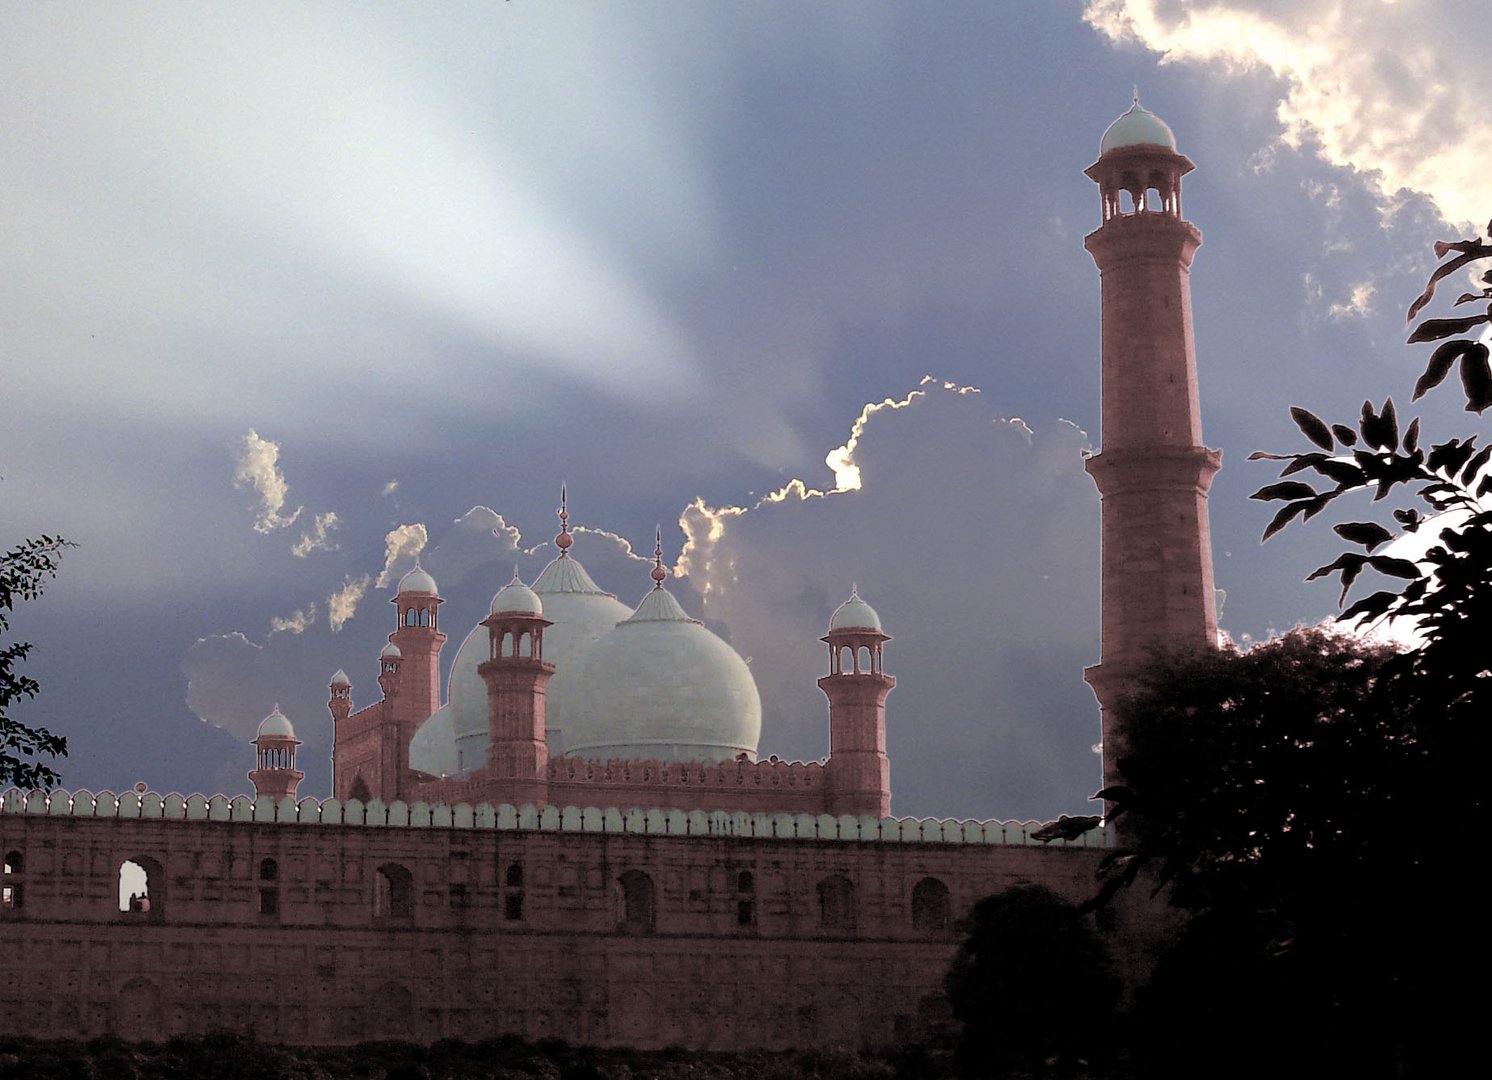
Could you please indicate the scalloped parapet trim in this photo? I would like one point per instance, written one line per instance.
(592, 819)
(767, 773)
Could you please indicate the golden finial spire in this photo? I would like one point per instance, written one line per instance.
(659, 575)
(564, 539)
(1137, 94)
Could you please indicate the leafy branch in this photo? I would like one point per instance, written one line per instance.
(24, 571)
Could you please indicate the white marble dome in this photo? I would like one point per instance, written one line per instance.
(662, 686)
(433, 748)
(1138, 127)
(276, 724)
(582, 614)
(391, 652)
(855, 614)
(417, 581)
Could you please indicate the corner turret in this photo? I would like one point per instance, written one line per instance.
(856, 686)
(275, 775)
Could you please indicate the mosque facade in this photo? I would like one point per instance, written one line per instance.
(582, 840)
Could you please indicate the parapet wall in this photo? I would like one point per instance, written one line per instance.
(589, 819)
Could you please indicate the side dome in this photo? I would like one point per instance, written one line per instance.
(391, 652)
(340, 678)
(662, 686)
(1138, 127)
(855, 614)
(417, 580)
(276, 724)
(433, 748)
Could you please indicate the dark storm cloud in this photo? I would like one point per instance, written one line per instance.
(664, 252)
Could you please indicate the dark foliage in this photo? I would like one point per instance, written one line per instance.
(1031, 984)
(1289, 800)
(24, 570)
(1448, 592)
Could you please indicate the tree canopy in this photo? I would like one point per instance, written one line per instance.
(24, 571)
(1030, 983)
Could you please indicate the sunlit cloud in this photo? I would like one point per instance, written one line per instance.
(318, 538)
(294, 623)
(258, 468)
(1365, 85)
(401, 546)
(1358, 304)
(342, 604)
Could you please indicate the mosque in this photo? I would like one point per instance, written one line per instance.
(583, 841)
(564, 696)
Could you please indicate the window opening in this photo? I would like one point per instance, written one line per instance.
(393, 892)
(140, 881)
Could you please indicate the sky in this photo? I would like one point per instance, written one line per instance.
(296, 292)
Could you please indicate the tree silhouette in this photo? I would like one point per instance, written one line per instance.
(1031, 983)
(24, 571)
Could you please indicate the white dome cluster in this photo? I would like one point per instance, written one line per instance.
(650, 683)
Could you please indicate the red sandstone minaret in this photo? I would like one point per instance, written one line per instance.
(858, 773)
(276, 776)
(340, 702)
(516, 676)
(1154, 471)
(418, 641)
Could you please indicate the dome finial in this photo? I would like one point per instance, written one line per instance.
(1136, 93)
(515, 580)
(564, 539)
(659, 575)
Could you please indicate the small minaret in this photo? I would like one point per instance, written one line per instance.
(276, 776)
(390, 660)
(859, 774)
(418, 640)
(1154, 471)
(340, 702)
(516, 675)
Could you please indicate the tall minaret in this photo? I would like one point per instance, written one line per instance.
(1154, 471)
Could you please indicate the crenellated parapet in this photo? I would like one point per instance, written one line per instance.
(789, 786)
(653, 821)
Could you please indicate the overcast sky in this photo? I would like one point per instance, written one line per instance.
(293, 291)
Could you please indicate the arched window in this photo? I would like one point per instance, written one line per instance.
(360, 790)
(636, 902)
(931, 910)
(837, 904)
(393, 892)
(142, 885)
(11, 890)
(269, 889)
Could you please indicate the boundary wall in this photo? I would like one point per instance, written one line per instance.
(632, 927)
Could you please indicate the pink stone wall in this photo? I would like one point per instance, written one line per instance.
(471, 948)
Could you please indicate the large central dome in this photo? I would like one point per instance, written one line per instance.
(662, 686)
